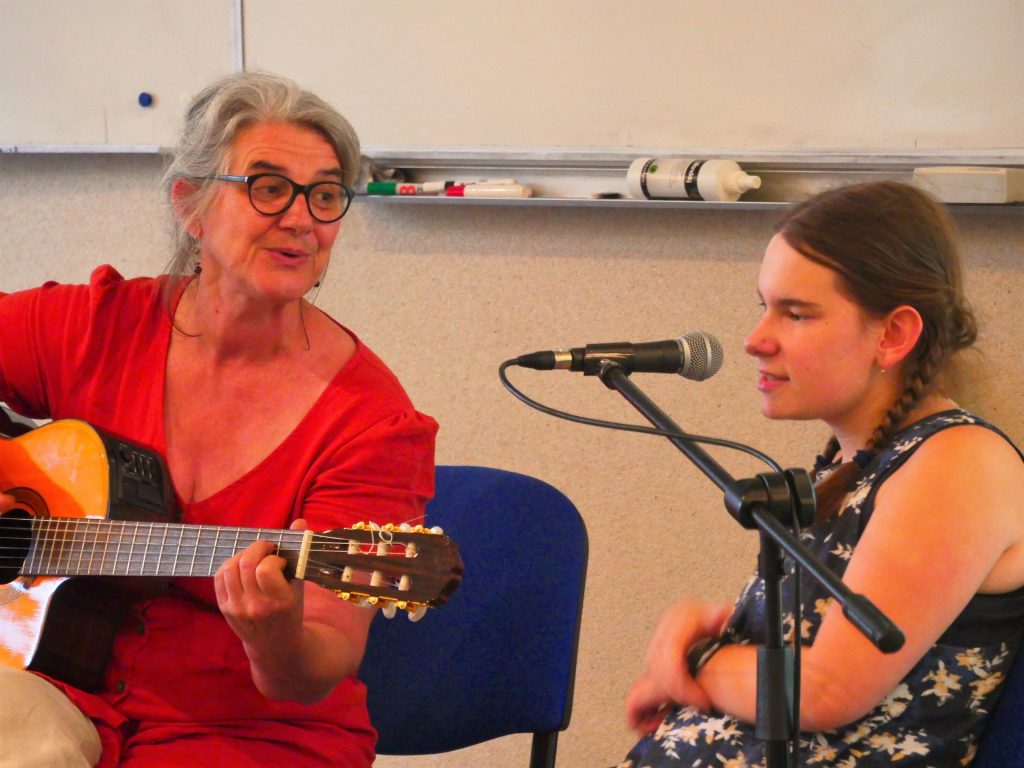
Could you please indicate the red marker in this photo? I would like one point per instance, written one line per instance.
(489, 190)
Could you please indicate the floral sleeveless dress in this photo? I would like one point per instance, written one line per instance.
(933, 718)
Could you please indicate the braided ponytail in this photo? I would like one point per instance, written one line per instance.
(891, 245)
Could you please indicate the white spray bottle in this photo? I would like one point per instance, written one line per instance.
(681, 179)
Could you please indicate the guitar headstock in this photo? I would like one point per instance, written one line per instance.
(401, 567)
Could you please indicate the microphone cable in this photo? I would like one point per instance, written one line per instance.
(621, 426)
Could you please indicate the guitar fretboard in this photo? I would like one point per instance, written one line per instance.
(82, 547)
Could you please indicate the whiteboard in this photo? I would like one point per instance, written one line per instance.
(71, 72)
(786, 75)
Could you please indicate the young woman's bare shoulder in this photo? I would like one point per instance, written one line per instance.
(967, 470)
(968, 447)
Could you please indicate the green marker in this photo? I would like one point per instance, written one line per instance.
(407, 187)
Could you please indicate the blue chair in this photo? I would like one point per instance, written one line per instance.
(1002, 744)
(500, 657)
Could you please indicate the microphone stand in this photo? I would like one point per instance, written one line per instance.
(768, 502)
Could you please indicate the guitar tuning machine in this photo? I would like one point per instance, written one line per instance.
(389, 606)
(355, 598)
(390, 609)
(403, 527)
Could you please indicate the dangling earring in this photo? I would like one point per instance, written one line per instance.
(313, 292)
(197, 267)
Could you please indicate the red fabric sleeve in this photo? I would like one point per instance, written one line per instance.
(47, 333)
(384, 474)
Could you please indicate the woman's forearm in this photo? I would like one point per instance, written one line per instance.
(729, 677)
(308, 670)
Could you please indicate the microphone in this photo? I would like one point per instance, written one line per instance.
(696, 355)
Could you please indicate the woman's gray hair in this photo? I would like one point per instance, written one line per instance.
(213, 121)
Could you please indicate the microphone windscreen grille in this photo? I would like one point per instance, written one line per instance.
(704, 355)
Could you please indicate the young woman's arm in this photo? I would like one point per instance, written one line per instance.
(946, 525)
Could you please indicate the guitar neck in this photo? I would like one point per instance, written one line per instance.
(87, 547)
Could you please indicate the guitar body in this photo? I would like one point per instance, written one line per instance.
(61, 626)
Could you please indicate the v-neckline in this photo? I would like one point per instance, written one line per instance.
(162, 434)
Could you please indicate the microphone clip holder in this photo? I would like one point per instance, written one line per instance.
(785, 495)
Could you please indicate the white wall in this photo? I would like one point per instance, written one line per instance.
(444, 294)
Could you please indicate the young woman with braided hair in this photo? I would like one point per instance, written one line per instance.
(918, 509)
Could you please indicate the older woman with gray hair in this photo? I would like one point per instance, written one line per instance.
(270, 414)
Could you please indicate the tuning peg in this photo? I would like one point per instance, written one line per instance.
(353, 549)
(405, 527)
(389, 609)
(437, 529)
(403, 583)
(418, 612)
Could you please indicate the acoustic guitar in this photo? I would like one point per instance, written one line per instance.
(96, 508)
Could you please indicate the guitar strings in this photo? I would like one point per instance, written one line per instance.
(55, 529)
(59, 532)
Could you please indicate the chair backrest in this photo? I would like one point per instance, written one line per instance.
(1002, 745)
(500, 657)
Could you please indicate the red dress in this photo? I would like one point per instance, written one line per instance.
(178, 688)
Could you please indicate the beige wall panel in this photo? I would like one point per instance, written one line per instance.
(445, 293)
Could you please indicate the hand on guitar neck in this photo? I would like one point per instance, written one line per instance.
(297, 650)
(258, 602)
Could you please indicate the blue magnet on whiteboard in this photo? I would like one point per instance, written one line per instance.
(145, 99)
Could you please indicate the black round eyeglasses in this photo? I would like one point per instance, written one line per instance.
(271, 194)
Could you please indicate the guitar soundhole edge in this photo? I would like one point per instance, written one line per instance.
(15, 540)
